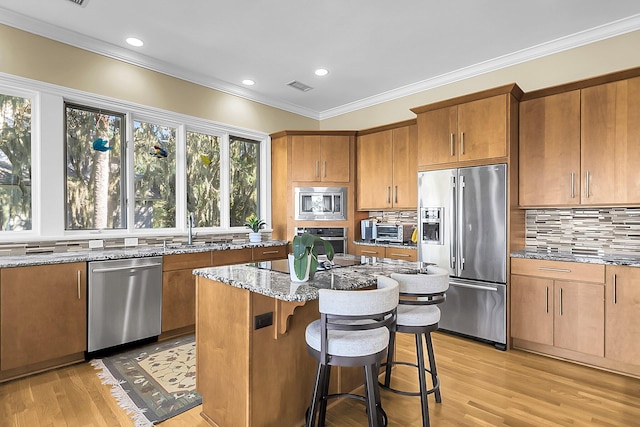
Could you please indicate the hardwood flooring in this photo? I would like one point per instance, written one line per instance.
(481, 386)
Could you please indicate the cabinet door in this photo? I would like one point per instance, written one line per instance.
(598, 129)
(305, 157)
(627, 151)
(405, 168)
(622, 323)
(374, 183)
(579, 317)
(178, 299)
(43, 314)
(437, 138)
(532, 309)
(482, 128)
(550, 150)
(335, 156)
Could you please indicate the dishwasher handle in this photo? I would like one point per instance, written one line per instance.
(131, 267)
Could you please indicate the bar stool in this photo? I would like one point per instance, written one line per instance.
(418, 314)
(353, 330)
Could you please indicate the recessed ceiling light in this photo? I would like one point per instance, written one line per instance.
(133, 41)
(248, 82)
(322, 72)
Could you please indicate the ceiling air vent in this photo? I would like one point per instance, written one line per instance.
(78, 2)
(300, 86)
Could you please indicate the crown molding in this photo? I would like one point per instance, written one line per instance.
(582, 38)
(72, 38)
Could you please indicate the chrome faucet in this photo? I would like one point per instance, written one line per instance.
(190, 223)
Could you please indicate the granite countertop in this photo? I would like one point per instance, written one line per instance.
(386, 245)
(627, 260)
(131, 252)
(279, 285)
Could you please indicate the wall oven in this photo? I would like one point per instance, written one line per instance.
(320, 203)
(336, 236)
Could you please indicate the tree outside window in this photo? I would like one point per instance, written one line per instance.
(244, 179)
(15, 163)
(203, 178)
(95, 185)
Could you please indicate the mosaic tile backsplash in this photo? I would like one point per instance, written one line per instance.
(584, 231)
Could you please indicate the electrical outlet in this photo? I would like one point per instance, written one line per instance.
(263, 320)
(93, 244)
(131, 241)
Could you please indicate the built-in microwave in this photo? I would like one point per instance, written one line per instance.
(320, 203)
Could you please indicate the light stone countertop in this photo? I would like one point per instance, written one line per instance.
(625, 260)
(279, 285)
(386, 245)
(132, 252)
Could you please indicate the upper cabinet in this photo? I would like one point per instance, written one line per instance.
(577, 144)
(550, 150)
(320, 158)
(387, 168)
(473, 128)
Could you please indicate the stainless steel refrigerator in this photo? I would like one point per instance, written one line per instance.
(463, 227)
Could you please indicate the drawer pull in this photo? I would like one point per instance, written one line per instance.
(269, 252)
(402, 255)
(369, 252)
(557, 270)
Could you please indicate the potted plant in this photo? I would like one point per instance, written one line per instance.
(303, 263)
(255, 224)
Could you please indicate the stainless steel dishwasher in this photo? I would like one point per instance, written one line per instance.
(125, 301)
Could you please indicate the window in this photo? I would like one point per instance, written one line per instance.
(15, 163)
(95, 184)
(203, 178)
(155, 175)
(244, 179)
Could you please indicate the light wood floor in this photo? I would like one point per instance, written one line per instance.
(481, 386)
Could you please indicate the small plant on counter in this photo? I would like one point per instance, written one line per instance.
(305, 254)
(255, 223)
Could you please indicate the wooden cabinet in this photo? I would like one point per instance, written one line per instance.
(622, 322)
(179, 289)
(405, 254)
(550, 150)
(387, 169)
(269, 253)
(610, 139)
(473, 128)
(579, 146)
(320, 158)
(43, 317)
(559, 305)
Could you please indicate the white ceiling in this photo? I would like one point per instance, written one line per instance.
(375, 50)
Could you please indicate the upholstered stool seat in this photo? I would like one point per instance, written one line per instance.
(353, 330)
(418, 314)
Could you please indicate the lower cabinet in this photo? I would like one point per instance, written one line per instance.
(406, 254)
(43, 317)
(587, 313)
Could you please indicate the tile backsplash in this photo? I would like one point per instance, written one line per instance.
(396, 217)
(585, 231)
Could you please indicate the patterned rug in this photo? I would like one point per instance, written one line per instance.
(155, 382)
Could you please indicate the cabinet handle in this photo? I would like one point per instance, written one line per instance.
(560, 301)
(395, 194)
(615, 289)
(557, 270)
(461, 143)
(587, 183)
(546, 307)
(79, 284)
(269, 252)
(317, 168)
(573, 182)
(400, 255)
(389, 194)
(325, 169)
(451, 145)
(369, 252)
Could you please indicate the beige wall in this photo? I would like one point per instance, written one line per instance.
(34, 57)
(27, 55)
(614, 54)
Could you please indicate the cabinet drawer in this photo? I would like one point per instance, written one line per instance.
(182, 261)
(375, 251)
(402, 253)
(231, 256)
(272, 252)
(558, 270)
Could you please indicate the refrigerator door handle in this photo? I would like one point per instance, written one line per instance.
(461, 222)
(454, 236)
(478, 287)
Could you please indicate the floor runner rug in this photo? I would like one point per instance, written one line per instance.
(155, 382)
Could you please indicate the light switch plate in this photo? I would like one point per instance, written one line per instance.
(93, 244)
(131, 241)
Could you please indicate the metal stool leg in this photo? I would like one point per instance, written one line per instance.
(423, 381)
(371, 383)
(390, 355)
(315, 397)
(432, 368)
(323, 397)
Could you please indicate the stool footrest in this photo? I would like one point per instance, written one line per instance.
(432, 390)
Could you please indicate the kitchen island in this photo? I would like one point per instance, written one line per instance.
(253, 369)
